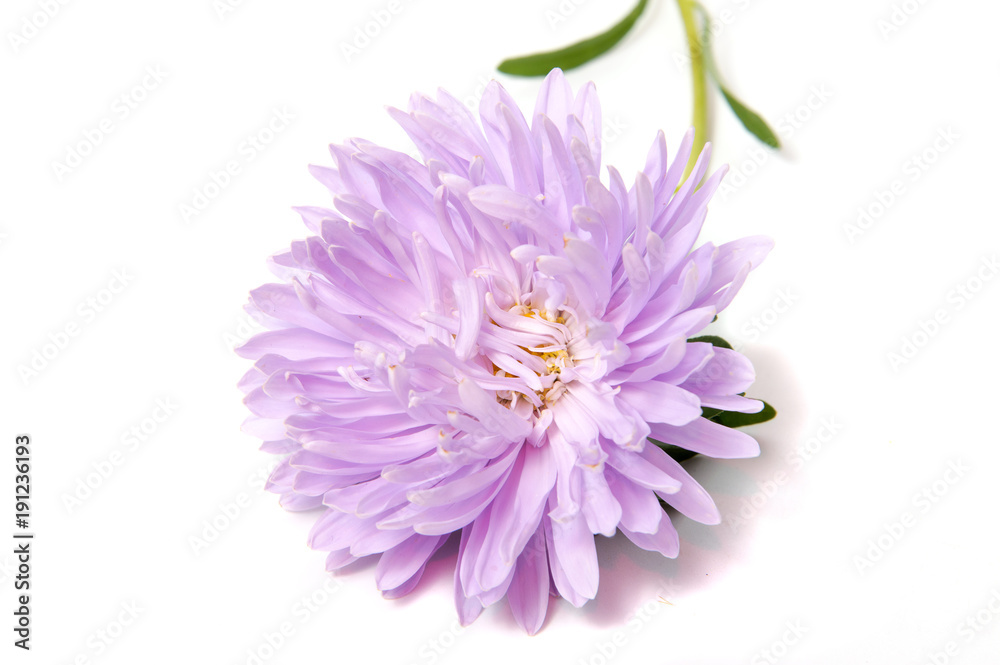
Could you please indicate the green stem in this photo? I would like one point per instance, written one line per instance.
(699, 110)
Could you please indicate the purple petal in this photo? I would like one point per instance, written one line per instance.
(664, 541)
(400, 563)
(528, 593)
(573, 547)
(708, 438)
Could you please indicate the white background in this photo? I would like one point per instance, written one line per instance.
(841, 548)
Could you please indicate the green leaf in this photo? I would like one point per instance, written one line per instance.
(679, 454)
(735, 419)
(714, 340)
(750, 119)
(710, 413)
(724, 418)
(732, 418)
(574, 55)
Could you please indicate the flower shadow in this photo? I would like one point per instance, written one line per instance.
(631, 578)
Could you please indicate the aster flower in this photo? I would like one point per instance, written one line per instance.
(483, 343)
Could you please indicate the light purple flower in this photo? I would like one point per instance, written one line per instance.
(481, 343)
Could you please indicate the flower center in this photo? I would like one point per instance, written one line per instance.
(543, 358)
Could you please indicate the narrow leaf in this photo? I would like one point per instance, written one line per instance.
(750, 119)
(714, 340)
(734, 419)
(725, 418)
(679, 454)
(710, 412)
(540, 64)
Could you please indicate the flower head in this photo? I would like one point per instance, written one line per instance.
(483, 343)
